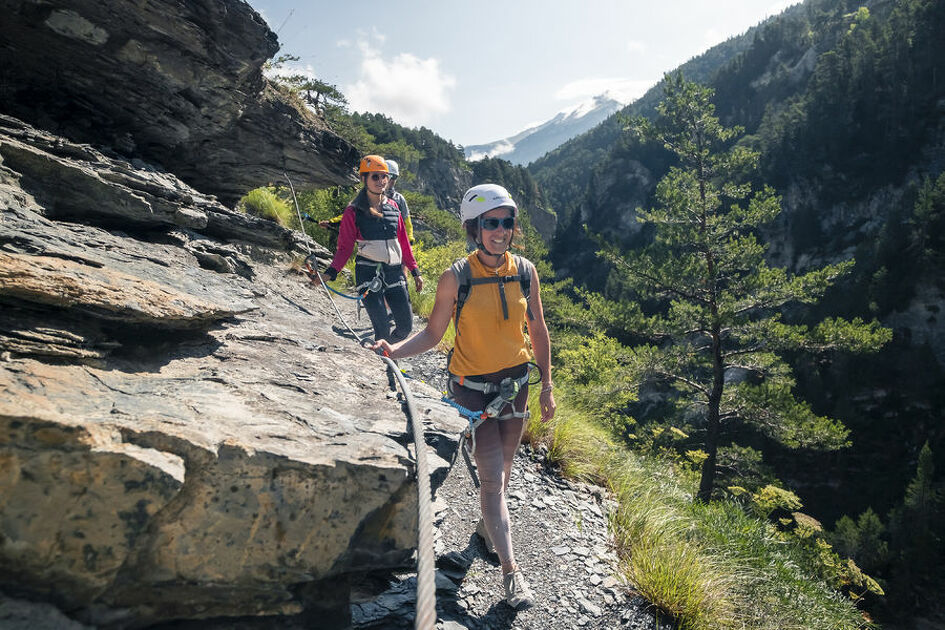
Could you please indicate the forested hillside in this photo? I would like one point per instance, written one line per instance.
(845, 104)
(563, 173)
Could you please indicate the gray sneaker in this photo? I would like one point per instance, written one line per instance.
(484, 534)
(517, 592)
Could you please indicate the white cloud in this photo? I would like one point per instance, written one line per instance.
(621, 89)
(410, 90)
(500, 148)
(378, 35)
(288, 70)
(634, 46)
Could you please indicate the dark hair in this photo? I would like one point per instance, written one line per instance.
(368, 210)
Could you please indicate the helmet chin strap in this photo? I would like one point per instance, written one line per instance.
(482, 246)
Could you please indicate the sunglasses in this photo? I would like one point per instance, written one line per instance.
(493, 223)
(379, 177)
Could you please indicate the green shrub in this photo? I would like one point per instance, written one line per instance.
(433, 262)
(264, 202)
(320, 205)
(436, 226)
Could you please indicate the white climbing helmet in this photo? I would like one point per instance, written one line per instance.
(483, 198)
(393, 168)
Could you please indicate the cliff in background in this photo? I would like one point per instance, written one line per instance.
(178, 85)
(183, 434)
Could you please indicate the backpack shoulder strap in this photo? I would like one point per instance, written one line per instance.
(524, 267)
(460, 269)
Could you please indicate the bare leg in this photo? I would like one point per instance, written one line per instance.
(496, 443)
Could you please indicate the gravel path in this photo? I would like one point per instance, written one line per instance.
(561, 539)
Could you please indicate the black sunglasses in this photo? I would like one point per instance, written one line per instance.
(493, 223)
(379, 176)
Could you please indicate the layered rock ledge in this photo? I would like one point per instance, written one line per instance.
(183, 433)
(178, 84)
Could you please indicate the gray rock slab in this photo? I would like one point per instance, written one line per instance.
(182, 442)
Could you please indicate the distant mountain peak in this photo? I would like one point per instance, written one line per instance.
(533, 142)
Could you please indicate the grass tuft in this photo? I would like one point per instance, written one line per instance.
(707, 566)
(265, 203)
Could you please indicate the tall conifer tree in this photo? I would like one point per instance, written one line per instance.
(713, 304)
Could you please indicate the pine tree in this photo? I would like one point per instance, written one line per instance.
(916, 528)
(316, 93)
(862, 540)
(713, 303)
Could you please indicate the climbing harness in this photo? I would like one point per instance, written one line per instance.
(505, 390)
(371, 286)
(426, 584)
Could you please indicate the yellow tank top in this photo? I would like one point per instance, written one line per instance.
(487, 342)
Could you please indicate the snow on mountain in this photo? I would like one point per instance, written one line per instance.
(535, 141)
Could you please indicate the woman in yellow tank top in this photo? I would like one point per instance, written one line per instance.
(490, 346)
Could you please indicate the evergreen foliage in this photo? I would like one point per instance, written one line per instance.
(927, 226)
(712, 300)
(317, 94)
(516, 179)
(873, 93)
(906, 552)
(862, 540)
(917, 543)
(423, 141)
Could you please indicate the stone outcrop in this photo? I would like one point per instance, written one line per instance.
(443, 180)
(180, 439)
(178, 84)
(545, 222)
(183, 433)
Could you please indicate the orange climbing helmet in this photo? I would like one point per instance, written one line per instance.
(372, 164)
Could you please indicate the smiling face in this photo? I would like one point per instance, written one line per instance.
(376, 182)
(500, 238)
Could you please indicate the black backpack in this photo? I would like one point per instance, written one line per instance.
(460, 269)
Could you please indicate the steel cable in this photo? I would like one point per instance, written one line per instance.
(426, 561)
(426, 567)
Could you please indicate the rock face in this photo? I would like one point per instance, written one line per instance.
(545, 222)
(176, 83)
(443, 180)
(183, 434)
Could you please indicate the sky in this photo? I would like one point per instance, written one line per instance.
(475, 72)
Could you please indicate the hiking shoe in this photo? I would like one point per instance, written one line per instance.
(484, 534)
(517, 592)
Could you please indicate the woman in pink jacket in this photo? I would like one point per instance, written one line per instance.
(373, 222)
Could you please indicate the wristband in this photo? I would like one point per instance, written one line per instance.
(547, 388)
(415, 273)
